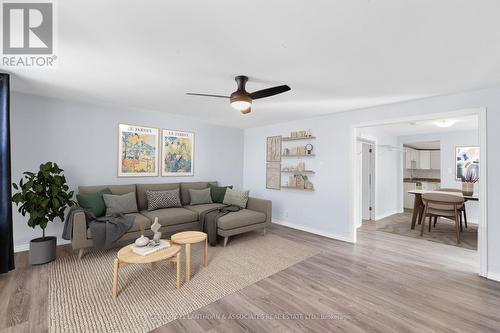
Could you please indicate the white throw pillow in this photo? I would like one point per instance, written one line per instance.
(234, 197)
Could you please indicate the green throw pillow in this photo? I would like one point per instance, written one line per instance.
(93, 201)
(218, 192)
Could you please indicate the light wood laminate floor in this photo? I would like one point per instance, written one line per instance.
(384, 283)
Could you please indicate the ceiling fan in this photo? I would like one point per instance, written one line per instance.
(241, 100)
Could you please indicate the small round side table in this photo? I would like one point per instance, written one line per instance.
(187, 238)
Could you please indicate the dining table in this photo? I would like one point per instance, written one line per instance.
(418, 204)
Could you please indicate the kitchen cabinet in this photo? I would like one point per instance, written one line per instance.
(435, 159)
(408, 198)
(424, 160)
(411, 158)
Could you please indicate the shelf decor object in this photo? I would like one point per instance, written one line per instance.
(297, 174)
(273, 175)
(273, 149)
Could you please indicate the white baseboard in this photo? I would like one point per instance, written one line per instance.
(314, 231)
(383, 216)
(25, 246)
(493, 276)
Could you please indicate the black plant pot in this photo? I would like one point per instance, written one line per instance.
(42, 250)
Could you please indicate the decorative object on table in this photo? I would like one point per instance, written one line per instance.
(151, 247)
(155, 228)
(471, 177)
(178, 153)
(273, 149)
(128, 255)
(138, 151)
(44, 196)
(273, 175)
(465, 157)
(143, 240)
(309, 149)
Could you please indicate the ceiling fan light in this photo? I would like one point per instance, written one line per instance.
(241, 105)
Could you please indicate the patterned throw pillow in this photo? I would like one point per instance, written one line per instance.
(163, 199)
(234, 197)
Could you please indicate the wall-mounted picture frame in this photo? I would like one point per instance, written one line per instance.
(273, 175)
(177, 153)
(466, 160)
(273, 149)
(138, 151)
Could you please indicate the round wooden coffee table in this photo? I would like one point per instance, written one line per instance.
(127, 257)
(188, 238)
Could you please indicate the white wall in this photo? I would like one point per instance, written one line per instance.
(82, 139)
(449, 140)
(328, 210)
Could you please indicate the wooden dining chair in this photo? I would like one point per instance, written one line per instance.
(462, 210)
(445, 205)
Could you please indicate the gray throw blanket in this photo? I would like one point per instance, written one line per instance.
(105, 230)
(210, 218)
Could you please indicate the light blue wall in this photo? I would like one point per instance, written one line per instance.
(82, 139)
(328, 209)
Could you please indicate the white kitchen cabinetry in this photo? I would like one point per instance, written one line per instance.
(424, 161)
(435, 159)
(411, 158)
(408, 198)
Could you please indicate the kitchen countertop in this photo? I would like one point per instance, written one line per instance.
(427, 180)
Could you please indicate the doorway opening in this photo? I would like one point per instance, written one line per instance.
(416, 154)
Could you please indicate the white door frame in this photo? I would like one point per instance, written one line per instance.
(483, 165)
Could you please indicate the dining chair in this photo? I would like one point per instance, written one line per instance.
(445, 205)
(462, 210)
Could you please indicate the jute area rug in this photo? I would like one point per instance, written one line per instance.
(80, 290)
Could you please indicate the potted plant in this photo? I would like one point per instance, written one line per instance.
(471, 177)
(44, 196)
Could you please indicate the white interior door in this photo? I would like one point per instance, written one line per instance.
(368, 196)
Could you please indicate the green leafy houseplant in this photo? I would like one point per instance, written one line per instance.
(43, 195)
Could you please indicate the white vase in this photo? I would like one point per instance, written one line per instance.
(141, 241)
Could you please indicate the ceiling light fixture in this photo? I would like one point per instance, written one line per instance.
(445, 122)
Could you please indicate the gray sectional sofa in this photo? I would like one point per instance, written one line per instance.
(257, 214)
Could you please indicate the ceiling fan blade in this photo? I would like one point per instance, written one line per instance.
(207, 95)
(269, 92)
(246, 110)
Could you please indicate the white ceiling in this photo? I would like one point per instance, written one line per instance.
(464, 123)
(335, 55)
